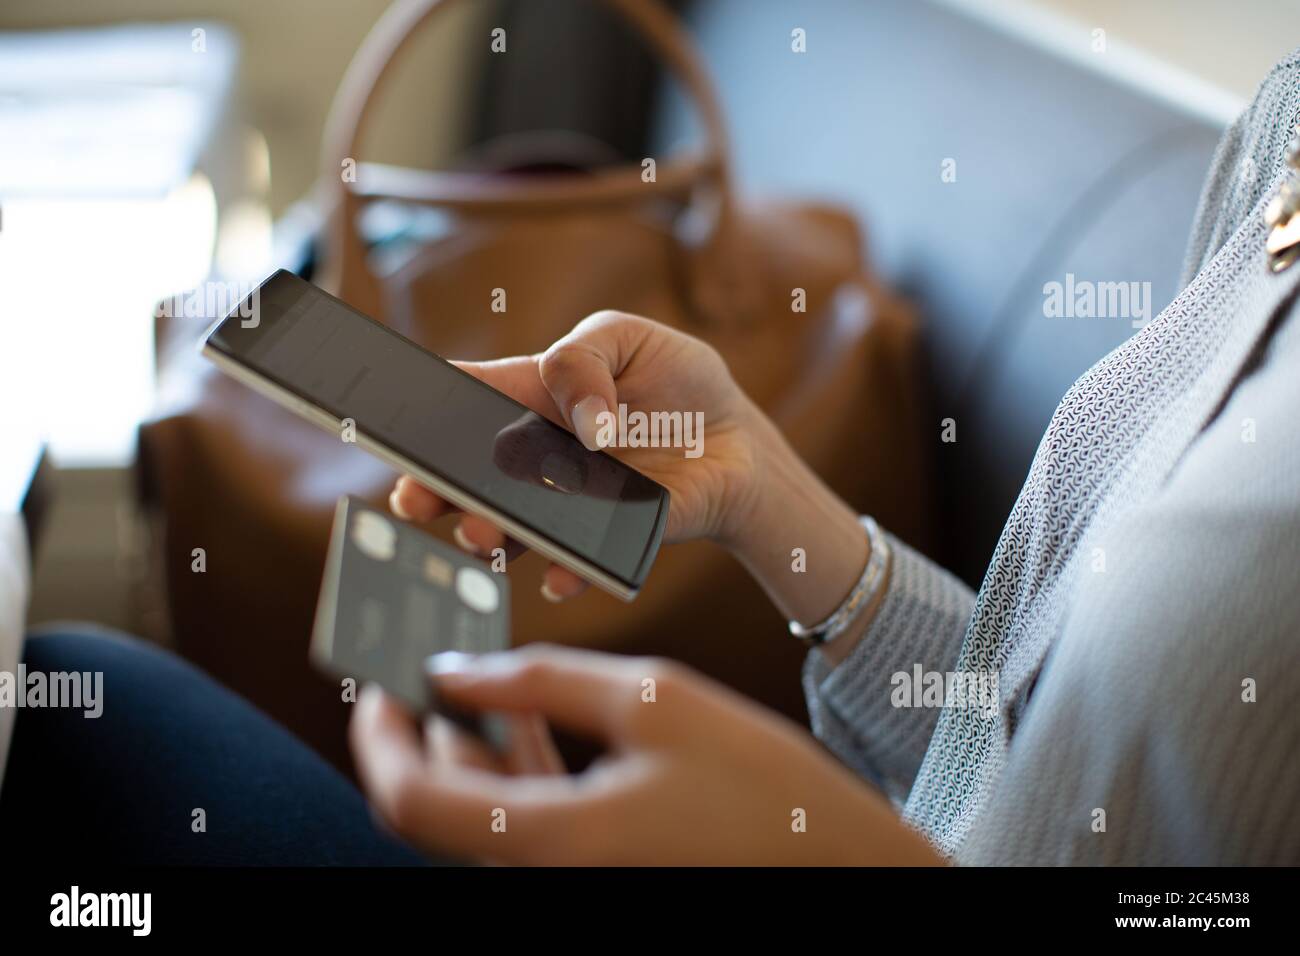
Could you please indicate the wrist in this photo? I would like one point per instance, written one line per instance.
(745, 507)
(799, 539)
(835, 652)
(776, 481)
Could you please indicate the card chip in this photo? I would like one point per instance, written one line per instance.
(437, 571)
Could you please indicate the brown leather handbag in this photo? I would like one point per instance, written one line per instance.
(779, 288)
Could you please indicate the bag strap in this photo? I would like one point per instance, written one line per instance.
(721, 283)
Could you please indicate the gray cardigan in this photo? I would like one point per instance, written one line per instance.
(1137, 634)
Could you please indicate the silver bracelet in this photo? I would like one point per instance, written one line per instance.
(868, 586)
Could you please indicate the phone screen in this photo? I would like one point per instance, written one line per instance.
(449, 423)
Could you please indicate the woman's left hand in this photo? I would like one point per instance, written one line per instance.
(693, 773)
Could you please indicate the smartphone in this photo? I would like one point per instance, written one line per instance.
(391, 596)
(474, 446)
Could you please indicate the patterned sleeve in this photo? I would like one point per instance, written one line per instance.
(918, 629)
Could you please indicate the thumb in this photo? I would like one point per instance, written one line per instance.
(583, 691)
(579, 370)
(516, 377)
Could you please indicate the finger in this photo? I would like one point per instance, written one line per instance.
(386, 747)
(532, 748)
(481, 537)
(584, 691)
(448, 745)
(517, 377)
(579, 369)
(454, 809)
(560, 584)
(411, 501)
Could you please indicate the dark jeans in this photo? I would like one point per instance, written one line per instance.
(123, 788)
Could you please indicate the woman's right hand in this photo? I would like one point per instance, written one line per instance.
(612, 358)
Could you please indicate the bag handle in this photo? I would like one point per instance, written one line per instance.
(721, 285)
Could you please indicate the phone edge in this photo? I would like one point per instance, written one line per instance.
(325, 620)
(457, 496)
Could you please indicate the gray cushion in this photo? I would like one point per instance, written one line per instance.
(1059, 170)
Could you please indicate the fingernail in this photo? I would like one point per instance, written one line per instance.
(395, 506)
(550, 595)
(449, 663)
(586, 420)
(459, 535)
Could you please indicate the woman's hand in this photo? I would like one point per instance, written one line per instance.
(612, 358)
(749, 491)
(693, 773)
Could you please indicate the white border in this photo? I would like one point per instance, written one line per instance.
(1071, 40)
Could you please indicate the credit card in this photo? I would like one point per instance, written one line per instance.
(391, 596)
